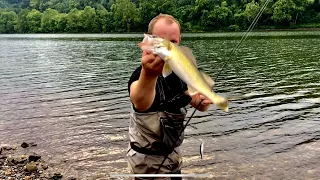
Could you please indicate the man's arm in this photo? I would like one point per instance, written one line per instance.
(143, 91)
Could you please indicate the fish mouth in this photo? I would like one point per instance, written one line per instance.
(151, 42)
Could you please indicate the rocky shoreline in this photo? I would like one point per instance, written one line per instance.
(17, 165)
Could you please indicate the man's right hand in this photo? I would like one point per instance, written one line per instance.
(152, 65)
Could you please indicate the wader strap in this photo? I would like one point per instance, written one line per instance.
(148, 151)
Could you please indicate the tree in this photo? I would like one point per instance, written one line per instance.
(287, 11)
(34, 4)
(34, 21)
(73, 21)
(125, 15)
(251, 11)
(104, 20)
(7, 21)
(22, 24)
(88, 19)
(49, 21)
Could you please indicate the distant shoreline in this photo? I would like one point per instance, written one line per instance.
(218, 31)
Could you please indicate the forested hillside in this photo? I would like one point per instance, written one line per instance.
(101, 16)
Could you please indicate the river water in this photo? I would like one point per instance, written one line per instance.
(68, 93)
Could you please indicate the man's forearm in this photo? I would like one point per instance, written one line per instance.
(142, 92)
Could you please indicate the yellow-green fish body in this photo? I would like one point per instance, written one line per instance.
(180, 62)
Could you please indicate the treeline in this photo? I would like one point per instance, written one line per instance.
(102, 16)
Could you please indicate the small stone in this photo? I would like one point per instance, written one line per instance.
(8, 173)
(34, 158)
(27, 177)
(31, 167)
(10, 161)
(20, 160)
(24, 145)
(72, 178)
(310, 171)
(44, 166)
(7, 148)
(3, 157)
(56, 176)
(32, 144)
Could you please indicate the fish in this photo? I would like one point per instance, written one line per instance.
(180, 60)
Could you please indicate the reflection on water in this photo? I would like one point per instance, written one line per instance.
(68, 93)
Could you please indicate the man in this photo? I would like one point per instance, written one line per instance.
(156, 120)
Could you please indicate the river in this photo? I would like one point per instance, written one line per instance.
(68, 93)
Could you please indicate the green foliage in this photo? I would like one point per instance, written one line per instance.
(89, 21)
(4, 4)
(251, 11)
(22, 26)
(34, 21)
(102, 16)
(7, 21)
(234, 28)
(125, 15)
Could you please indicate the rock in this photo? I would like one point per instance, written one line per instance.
(56, 176)
(32, 144)
(7, 148)
(44, 166)
(34, 157)
(24, 145)
(3, 156)
(31, 167)
(8, 172)
(16, 160)
(20, 160)
(27, 178)
(72, 178)
(10, 161)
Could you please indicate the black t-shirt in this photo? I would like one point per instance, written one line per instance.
(172, 87)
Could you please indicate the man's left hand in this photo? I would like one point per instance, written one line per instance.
(199, 98)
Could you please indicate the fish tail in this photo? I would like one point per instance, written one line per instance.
(219, 101)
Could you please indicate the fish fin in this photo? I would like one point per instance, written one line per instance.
(167, 43)
(208, 79)
(188, 52)
(166, 71)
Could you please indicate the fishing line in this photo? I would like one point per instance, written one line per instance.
(244, 37)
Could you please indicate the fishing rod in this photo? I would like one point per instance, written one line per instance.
(244, 37)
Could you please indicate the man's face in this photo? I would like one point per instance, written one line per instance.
(164, 30)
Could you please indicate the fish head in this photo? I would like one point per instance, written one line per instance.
(155, 44)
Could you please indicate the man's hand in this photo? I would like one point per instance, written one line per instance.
(152, 65)
(198, 98)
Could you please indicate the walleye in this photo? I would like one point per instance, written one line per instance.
(182, 63)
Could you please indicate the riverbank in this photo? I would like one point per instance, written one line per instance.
(22, 162)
